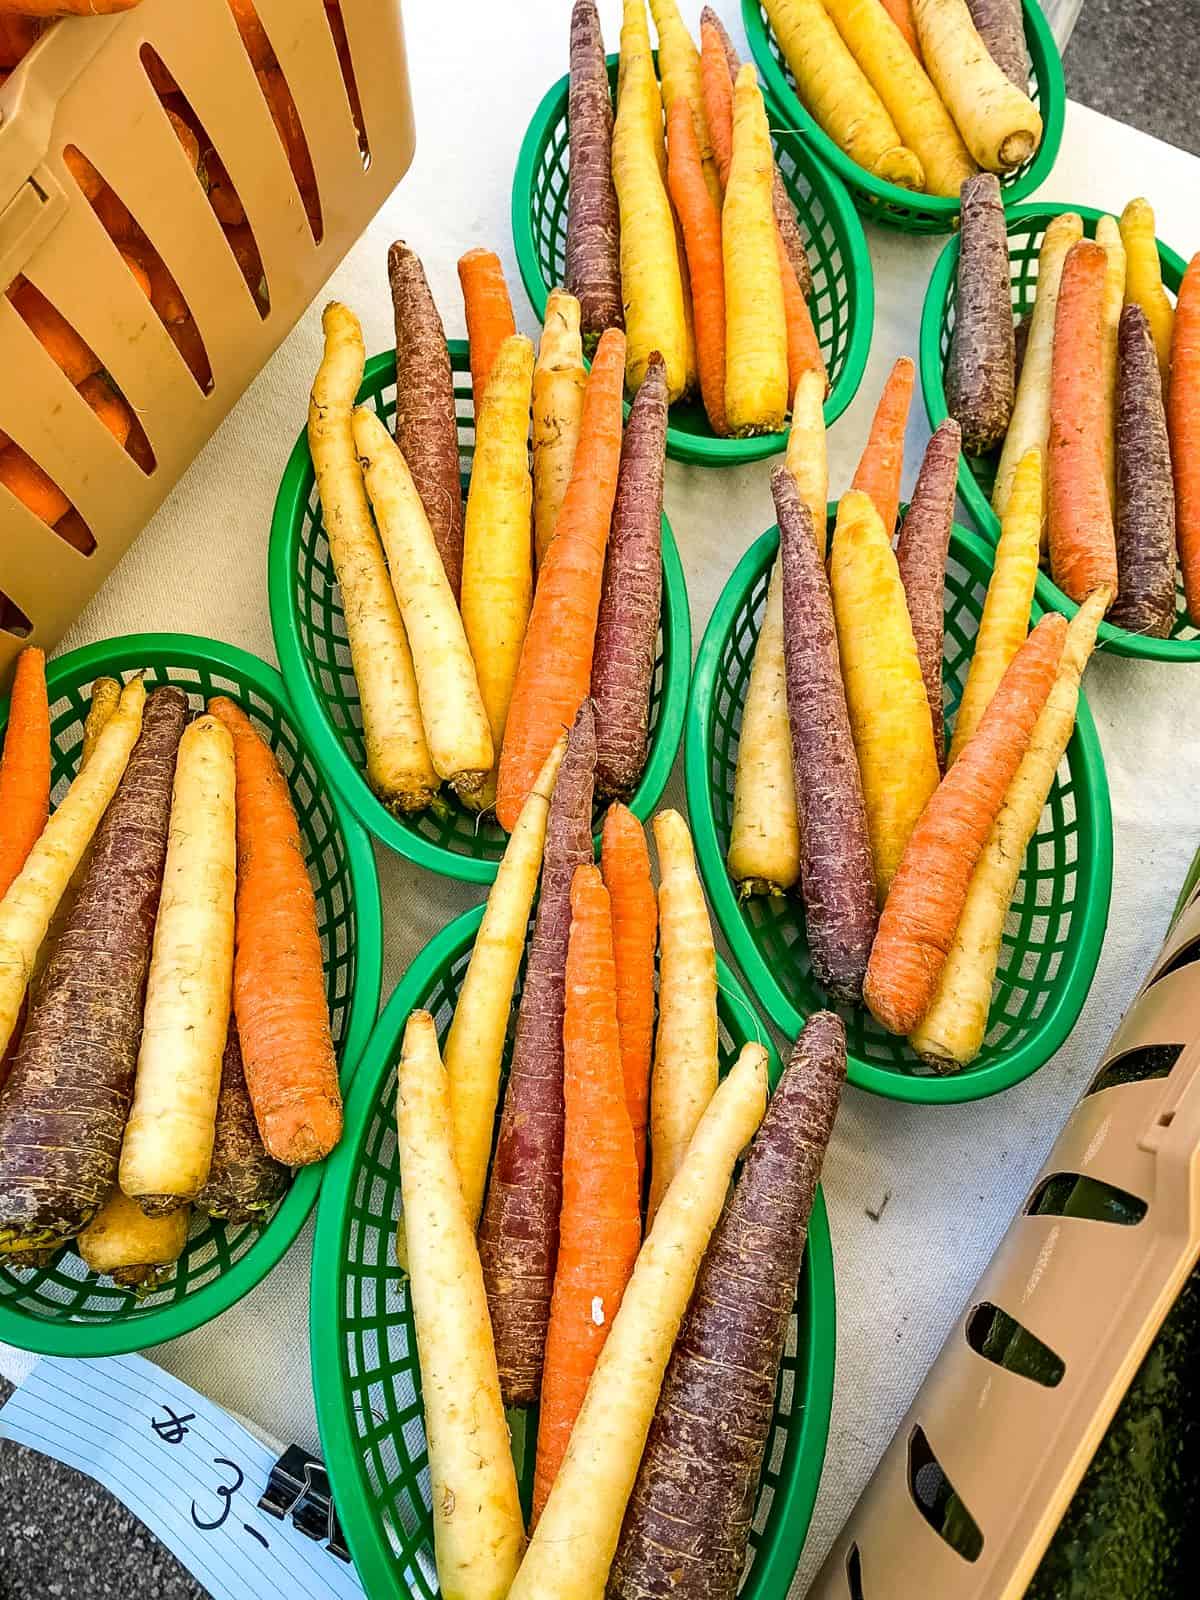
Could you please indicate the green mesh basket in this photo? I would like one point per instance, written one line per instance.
(310, 640)
(364, 1356)
(976, 474)
(62, 1309)
(1059, 912)
(885, 202)
(843, 298)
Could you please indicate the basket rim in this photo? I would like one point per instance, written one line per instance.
(1093, 869)
(351, 1486)
(1025, 219)
(125, 1335)
(708, 450)
(332, 756)
(939, 209)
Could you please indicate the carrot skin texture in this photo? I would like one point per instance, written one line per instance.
(593, 265)
(243, 1181)
(63, 1110)
(1183, 425)
(921, 556)
(625, 863)
(836, 873)
(555, 669)
(518, 1236)
(24, 766)
(688, 1520)
(981, 368)
(631, 598)
(879, 468)
(916, 926)
(279, 972)
(600, 1227)
(1083, 552)
(1145, 508)
(1001, 26)
(426, 426)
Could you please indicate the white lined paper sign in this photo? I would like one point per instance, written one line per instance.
(183, 1465)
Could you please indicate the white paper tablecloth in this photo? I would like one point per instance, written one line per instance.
(955, 1175)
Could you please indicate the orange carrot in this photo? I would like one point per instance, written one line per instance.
(916, 926)
(278, 973)
(84, 173)
(54, 332)
(600, 1224)
(141, 276)
(804, 353)
(254, 37)
(24, 766)
(1083, 549)
(489, 312)
(718, 96)
(701, 224)
(625, 863)
(878, 472)
(555, 668)
(295, 145)
(900, 12)
(186, 137)
(23, 477)
(108, 406)
(1183, 426)
(67, 8)
(18, 35)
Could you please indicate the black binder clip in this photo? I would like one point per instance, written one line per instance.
(299, 1487)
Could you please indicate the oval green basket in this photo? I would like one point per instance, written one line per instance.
(364, 1357)
(842, 302)
(61, 1309)
(310, 640)
(976, 474)
(1059, 912)
(886, 202)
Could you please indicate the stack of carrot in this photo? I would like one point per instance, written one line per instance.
(693, 246)
(906, 856)
(618, 1324)
(920, 93)
(477, 632)
(172, 1047)
(1108, 387)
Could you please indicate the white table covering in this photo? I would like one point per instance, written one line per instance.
(954, 1175)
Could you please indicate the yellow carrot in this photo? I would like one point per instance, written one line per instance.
(885, 692)
(837, 93)
(756, 370)
(1143, 278)
(559, 377)
(1000, 125)
(497, 585)
(1005, 620)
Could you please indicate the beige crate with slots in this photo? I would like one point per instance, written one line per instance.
(86, 85)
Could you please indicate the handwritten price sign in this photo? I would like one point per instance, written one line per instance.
(184, 1466)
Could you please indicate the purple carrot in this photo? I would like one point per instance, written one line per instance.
(1020, 345)
(921, 557)
(836, 876)
(244, 1182)
(980, 371)
(64, 1107)
(593, 269)
(781, 204)
(630, 602)
(1145, 508)
(688, 1520)
(426, 424)
(1001, 26)
(518, 1237)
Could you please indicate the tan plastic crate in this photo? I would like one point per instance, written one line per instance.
(1095, 1294)
(85, 84)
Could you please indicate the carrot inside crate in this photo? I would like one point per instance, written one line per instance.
(12, 619)
(282, 107)
(341, 41)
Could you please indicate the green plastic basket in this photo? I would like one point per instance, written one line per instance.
(310, 640)
(1059, 912)
(62, 1309)
(364, 1357)
(976, 474)
(886, 202)
(843, 299)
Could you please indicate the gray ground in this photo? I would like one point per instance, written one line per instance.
(62, 1535)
